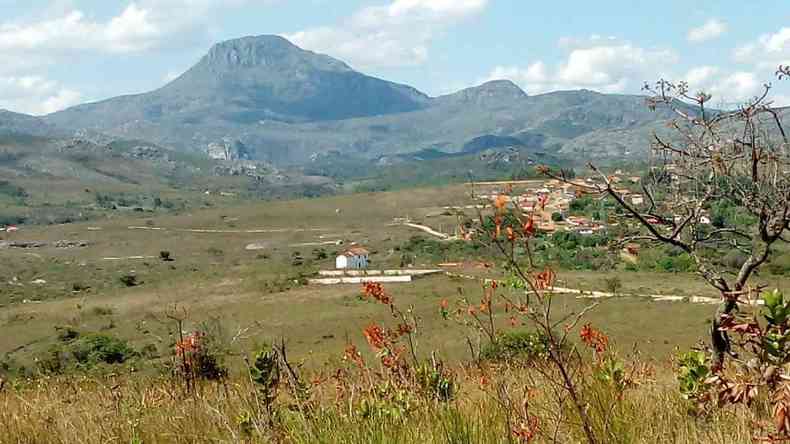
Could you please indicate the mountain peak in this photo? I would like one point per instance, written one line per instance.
(492, 93)
(270, 51)
(501, 86)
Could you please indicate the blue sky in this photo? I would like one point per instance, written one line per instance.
(57, 53)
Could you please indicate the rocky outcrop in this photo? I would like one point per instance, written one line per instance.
(228, 149)
(145, 152)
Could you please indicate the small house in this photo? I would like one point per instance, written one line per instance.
(355, 258)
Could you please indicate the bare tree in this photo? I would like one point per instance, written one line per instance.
(739, 160)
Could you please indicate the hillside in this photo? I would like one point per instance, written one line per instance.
(287, 104)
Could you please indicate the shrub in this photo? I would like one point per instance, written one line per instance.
(197, 357)
(519, 345)
(130, 280)
(165, 256)
(99, 348)
(102, 311)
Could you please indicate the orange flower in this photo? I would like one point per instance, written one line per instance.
(529, 227)
(376, 291)
(500, 202)
(404, 329)
(545, 279)
(594, 339)
(444, 309)
(353, 355)
(511, 235)
(375, 336)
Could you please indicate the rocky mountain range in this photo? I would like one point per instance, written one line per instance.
(263, 98)
(284, 104)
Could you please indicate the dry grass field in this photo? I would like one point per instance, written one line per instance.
(249, 298)
(217, 280)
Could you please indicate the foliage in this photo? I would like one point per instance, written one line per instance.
(95, 348)
(693, 373)
(435, 250)
(516, 346)
(129, 280)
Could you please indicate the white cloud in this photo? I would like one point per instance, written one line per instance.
(727, 88)
(393, 35)
(63, 32)
(130, 31)
(768, 51)
(35, 95)
(710, 30)
(603, 64)
(700, 77)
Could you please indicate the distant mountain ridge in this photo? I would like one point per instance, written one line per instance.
(286, 105)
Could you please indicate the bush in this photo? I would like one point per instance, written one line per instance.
(516, 346)
(98, 348)
(130, 280)
(102, 311)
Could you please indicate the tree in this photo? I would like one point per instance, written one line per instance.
(738, 160)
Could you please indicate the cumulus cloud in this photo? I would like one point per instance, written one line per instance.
(28, 47)
(139, 26)
(710, 30)
(392, 35)
(727, 88)
(768, 51)
(603, 64)
(35, 95)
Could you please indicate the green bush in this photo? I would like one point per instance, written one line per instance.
(514, 346)
(99, 348)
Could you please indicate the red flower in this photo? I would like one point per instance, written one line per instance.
(529, 227)
(545, 279)
(594, 339)
(375, 336)
(353, 355)
(376, 291)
